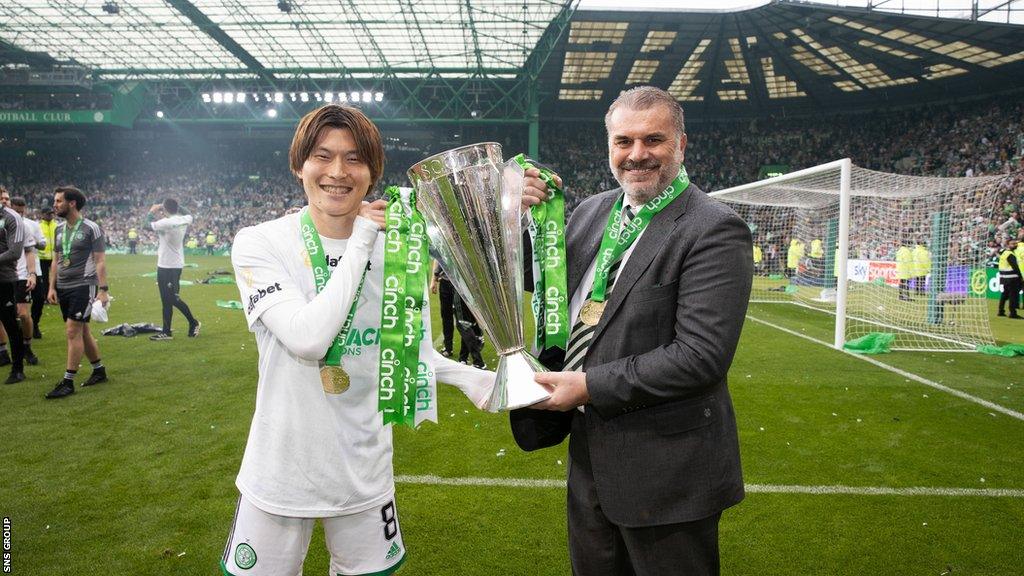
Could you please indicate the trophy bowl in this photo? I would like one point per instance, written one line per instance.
(470, 200)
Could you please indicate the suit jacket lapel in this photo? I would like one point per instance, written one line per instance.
(583, 239)
(648, 246)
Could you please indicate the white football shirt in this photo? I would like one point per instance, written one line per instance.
(170, 232)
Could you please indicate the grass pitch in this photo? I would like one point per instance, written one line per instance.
(137, 476)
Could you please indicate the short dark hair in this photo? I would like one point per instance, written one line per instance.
(72, 194)
(17, 201)
(364, 132)
(171, 205)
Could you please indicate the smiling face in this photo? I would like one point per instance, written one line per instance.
(644, 150)
(335, 177)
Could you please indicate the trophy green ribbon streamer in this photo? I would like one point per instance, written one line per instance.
(321, 274)
(550, 299)
(615, 242)
(405, 282)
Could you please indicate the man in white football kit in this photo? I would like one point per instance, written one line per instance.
(315, 449)
(28, 275)
(170, 259)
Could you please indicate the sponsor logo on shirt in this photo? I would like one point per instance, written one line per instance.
(262, 293)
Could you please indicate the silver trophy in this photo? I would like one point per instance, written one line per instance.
(470, 200)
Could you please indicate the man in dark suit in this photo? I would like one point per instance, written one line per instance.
(659, 275)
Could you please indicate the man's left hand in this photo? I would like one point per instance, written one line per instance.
(103, 297)
(568, 390)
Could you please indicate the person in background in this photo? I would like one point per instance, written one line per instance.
(48, 226)
(170, 231)
(78, 276)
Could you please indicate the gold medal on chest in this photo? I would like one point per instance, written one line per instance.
(591, 312)
(334, 379)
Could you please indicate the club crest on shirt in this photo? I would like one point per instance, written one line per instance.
(245, 556)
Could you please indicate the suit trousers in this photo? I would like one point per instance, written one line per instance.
(599, 547)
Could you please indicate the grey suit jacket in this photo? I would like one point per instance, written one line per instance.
(659, 431)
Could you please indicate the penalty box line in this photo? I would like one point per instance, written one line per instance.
(431, 480)
(904, 373)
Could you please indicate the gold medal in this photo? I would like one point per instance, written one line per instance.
(591, 312)
(334, 379)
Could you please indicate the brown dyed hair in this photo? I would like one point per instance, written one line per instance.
(364, 132)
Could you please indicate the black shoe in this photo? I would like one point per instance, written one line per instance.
(446, 352)
(37, 334)
(31, 357)
(193, 329)
(1001, 314)
(63, 388)
(1016, 317)
(5, 358)
(15, 377)
(161, 336)
(481, 365)
(98, 376)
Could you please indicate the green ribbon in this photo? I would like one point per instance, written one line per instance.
(615, 242)
(66, 239)
(550, 300)
(321, 274)
(405, 283)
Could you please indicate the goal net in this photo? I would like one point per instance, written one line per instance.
(882, 252)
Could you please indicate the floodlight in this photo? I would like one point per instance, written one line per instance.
(317, 96)
(304, 96)
(272, 113)
(342, 97)
(159, 113)
(267, 96)
(367, 96)
(354, 96)
(206, 97)
(292, 96)
(229, 97)
(329, 96)
(240, 97)
(379, 96)
(278, 97)
(218, 97)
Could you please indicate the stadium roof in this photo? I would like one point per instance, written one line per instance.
(783, 56)
(250, 38)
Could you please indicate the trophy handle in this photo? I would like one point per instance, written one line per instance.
(514, 386)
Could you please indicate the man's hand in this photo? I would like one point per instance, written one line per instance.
(374, 211)
(30, 284)
(535, 190)
(103, 297)
(568, 390)
(51, 296)
(433, 285)
(155, 208)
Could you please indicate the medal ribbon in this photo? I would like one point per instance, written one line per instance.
(66, 240)
(615, 242)
(321, 274)
(405, 283)
(547, 235)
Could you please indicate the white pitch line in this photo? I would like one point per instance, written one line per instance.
(904, 373)
(431, 480)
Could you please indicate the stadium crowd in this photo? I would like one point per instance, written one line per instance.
(228, 187)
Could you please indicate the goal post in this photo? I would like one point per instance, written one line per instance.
(881, 252)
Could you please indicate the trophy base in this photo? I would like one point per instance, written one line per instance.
(514, 386)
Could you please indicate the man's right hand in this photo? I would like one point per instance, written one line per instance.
(535, 190)
(374, 211)
(51, 296)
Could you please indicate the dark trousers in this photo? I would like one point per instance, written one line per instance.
(9, 317)
(446, 294)
(1011, 294)
(169, 280)
(598, 547)
(39, 294)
